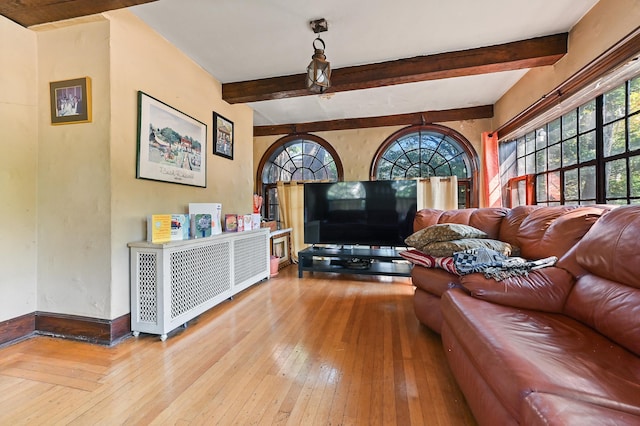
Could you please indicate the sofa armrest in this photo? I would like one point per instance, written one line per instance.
(543, 289)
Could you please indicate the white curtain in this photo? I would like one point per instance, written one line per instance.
(438, 192)
(291, 203)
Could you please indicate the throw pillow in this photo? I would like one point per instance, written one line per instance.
(442, 232)
(448, 248)
(419, 258)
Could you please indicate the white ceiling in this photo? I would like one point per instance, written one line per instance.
(238, 40)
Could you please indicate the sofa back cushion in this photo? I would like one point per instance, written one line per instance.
(552, 231)
(511, 223)
(607, 296)
(486, 219)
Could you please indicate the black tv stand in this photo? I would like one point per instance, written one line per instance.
(355, 260)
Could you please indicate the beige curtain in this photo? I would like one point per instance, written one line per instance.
(291, 202)
(438, 192)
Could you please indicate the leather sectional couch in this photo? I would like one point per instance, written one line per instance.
(558, 346)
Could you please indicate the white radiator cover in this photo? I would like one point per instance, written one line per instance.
(174, 282)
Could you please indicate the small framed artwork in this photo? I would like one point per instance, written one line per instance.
(172, 146)
(223, 137)
(70, 101)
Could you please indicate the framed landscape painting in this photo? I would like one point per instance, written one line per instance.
(70, 101)
(223, 137)
(172, 146)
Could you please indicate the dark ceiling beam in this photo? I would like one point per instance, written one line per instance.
(416, 118)
(34, 12)
(522, 54)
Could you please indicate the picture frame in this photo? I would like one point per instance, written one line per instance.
(70, 101)
(223, 136)
(172, 146)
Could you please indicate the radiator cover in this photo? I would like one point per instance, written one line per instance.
(173, 283)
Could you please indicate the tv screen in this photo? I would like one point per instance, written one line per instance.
(373, 213)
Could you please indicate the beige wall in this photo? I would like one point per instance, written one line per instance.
(18, 173)
(141, 60)
(356, 148)
(74, 218)
(607, 22)
(71, 190)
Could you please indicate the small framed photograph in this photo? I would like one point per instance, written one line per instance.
(70, 101)
(223, 137)
(172, 146)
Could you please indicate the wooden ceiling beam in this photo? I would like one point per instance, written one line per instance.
(522, 54)
(34, 12)
(416, 118)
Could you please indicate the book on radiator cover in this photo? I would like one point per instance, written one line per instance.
(214, 209)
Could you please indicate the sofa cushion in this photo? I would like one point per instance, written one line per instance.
(542, 407)
(448, 248)
(517, 351)
(552, 231)
(544, 290)
(607, 298)
(433, 280)
(511, 223)
(442, 232)
(487, 219)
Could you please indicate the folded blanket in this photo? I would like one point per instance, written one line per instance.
(496, 265)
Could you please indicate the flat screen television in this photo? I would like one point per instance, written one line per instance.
(372, 213)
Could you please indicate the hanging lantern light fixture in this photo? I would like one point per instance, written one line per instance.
(319, 69)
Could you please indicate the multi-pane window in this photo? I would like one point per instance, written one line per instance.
(425, 151)
(590, 154)
(296, 158)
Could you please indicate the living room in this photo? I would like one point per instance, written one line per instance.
(71, 198)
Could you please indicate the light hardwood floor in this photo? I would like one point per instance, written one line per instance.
(322, 350)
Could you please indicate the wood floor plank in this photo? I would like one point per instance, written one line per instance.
(326, 349)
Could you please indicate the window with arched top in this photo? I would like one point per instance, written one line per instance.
(429, 150)
(298, 157)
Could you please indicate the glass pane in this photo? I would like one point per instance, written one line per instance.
(521, 167)
(541, 188)
(448, 148)
(587, 146)
(616, 178)
(520, 148)
(613, 138)
(519, 194)
(541, 161)
(458, 167)
(588, 183)
(634, 172)
(553, 131)
(553, 157)
(541, 138)
(571, 185)
(634, 95)
(569, 152)
(634, 132)
(393, 152)
(614, 104)
(569, 125)
(531, 163)
(587, 116)
(553, 182)
(530, 141)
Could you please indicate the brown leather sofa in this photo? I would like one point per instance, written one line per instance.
(561, 345)
(537, 232)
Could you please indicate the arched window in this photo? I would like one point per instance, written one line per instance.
(429, 150)
(299, 157)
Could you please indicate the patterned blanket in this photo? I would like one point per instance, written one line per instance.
(496, 265)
